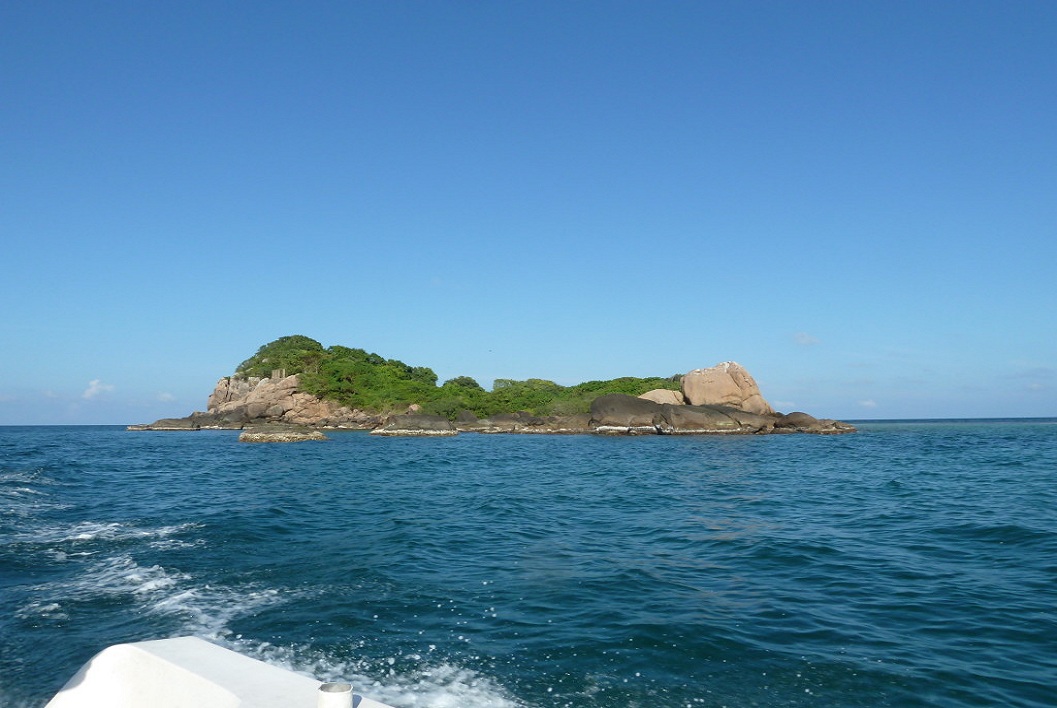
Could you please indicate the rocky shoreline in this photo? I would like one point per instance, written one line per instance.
(619, 414)
(720, 400)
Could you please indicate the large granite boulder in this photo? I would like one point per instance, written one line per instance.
(664, 395)
(524, 422)
(518, 421)
(726, 384)
(700, 420)
(574, 424)
(618, 414)
(416, 425)
(622, 414)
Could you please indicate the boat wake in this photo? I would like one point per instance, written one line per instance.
(103, 573)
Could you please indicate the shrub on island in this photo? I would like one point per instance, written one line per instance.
(363, 380)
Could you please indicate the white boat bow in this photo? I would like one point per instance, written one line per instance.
(188, 672)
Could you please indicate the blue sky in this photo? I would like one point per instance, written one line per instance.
(856, 201)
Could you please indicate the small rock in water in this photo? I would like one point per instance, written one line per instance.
(280, 434)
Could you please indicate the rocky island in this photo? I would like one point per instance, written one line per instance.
(310, 389)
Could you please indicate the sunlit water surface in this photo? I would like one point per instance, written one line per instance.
(910, 564)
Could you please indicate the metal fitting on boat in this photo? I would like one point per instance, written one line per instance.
(334, 695)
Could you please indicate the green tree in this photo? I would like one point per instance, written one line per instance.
(464, 382)
(296, 353)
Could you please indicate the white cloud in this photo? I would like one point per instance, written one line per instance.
(95, 387)
(804, 339)
(868, 403)
(166, 397)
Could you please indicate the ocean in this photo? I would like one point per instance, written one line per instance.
(911, 564)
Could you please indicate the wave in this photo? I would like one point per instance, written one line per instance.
(83, 531)
(152, 590)
(187, 606)
(24, 494)
(408, 680)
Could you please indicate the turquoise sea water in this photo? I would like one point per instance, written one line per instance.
(911, 564)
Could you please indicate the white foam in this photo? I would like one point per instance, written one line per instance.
(121, 575)
(200, 610)
(51, 611)
(426, 685)
(442, 686)
(111, 571)
(169, 544)
(207, 611)
(25, 477)
(87, 531)
(21, 492)
(21, 496)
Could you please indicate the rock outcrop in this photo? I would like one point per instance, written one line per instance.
(664, 395)
(726, 384)
(705, 420)
(279, 433)
(177, 424)
(239, 401)
(798, 422)
(416, 425)
(525, 422)
(618, 414)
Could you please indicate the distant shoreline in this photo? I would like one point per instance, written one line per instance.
(856, 421)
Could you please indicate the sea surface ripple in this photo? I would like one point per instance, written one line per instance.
(911, 564)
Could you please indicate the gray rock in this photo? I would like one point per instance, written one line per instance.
(628, 415)
(167, 424)
(416, 424)
(798, 422)
(795, 419)
(280, 434)
(698, 420)
(465, 417)
(618, 413)
(524, 422)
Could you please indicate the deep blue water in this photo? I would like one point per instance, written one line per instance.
(911, 564)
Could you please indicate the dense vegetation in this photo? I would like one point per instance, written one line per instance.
(359, 379)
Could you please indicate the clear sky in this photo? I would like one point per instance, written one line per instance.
(855, 200)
